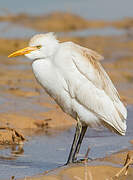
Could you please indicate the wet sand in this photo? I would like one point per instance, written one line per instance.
(103, 169)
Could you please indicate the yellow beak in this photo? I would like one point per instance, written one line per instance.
(23, 51)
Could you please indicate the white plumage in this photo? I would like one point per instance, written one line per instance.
(74, 77)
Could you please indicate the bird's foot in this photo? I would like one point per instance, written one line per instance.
(84, 160)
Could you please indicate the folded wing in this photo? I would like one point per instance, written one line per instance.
(97, 93)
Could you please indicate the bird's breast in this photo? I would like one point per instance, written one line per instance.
(54, 84)
(46, 76)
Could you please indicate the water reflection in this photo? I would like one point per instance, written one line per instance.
(15, 151)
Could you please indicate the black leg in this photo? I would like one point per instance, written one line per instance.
(75, 140)
(83, 130)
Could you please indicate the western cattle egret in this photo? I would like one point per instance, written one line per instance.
(73, 76)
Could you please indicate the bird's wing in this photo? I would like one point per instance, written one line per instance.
(97, 93)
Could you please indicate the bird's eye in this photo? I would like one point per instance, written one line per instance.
(39, 46)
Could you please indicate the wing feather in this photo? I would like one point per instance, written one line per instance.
(98, 93)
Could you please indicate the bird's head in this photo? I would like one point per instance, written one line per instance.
(40, 46)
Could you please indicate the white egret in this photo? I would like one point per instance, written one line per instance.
(73, 76)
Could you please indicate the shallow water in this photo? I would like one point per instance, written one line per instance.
(10, 30)
(50, 150)
(95, 9)
(109, 31)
